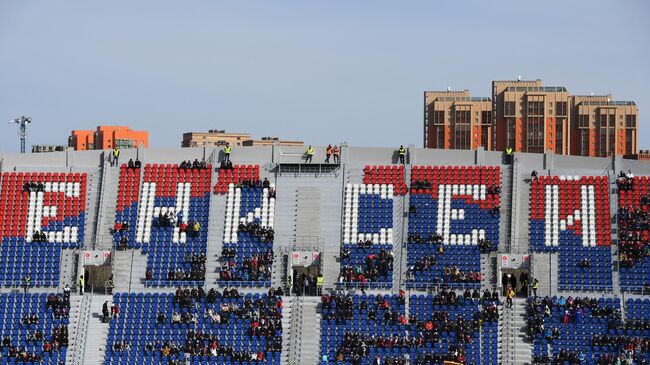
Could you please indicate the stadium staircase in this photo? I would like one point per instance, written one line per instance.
(215, 239)
(79, 309)
(97, 331)
(287, 321)
(107, 208)
(129, 270)
(515, 348)
(303, 345)
(613, 211)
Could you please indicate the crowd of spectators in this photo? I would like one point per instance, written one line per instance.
(376, 265)
(264, 314)
(454, 275)
(196, 271)
(626, 348)
(418, 330)
(255, 230)
(196, 165)
(634, 225)
(134, 164)
(304, 284)
(625, 180)
(34, 186)
(257, 267)
(39, 236)
(60, 305)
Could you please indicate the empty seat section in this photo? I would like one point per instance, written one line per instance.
(247, 253)
(453, 216)
(42, 213)
(32, 330)
(587, 330)
(386, 175)
(237, 174)
(175, 250)
(570, 216)
(158, 328)
(366, 254)
(634, 233)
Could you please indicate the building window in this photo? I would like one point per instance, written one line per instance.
(583, 121)
(629, 139)
(439, 117)
(560, 109)
(612, 142)
(484, 136)
(511, 132)
(559, 135)
(439, 135)
(535, 108)
(462, 129)
(612, 120)
(486, 117)
(509, 108)
(630, 120)
(603, 120)
(462, 136)
(535, 134)
(584, 142)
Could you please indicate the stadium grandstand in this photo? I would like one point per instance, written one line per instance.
(173, 256)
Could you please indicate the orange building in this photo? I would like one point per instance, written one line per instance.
(107, 137)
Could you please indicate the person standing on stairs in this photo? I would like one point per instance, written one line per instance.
(328, 153)
(105, 312)
(335, 153)
(509, 295)
(310, 154)
(116, 156)
(81, 285)
(226, 153)
(535, 286)
(402, 154)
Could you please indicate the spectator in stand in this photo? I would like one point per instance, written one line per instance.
(328, 153)
(336, 154)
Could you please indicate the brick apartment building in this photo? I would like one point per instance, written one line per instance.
(530, 117)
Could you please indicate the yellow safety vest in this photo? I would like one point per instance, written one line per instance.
(319, 281)
(116, 152)
(402, 151)
(508, 151)
(310, 151)
(227, 150)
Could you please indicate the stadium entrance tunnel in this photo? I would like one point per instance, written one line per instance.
(518, 279)
(305, 274)
(95, 266)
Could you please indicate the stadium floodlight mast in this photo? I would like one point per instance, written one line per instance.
(22, 129)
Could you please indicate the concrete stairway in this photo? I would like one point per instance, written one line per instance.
(68, 274)
(107, 206)
(544, 265)
(289, 303)
(304, 345)
(129, 269)
(215, 239)
(308, 200)
(514, 345)
(93, 195)
(97, 332)
(506, 206)
(79, 311)
(520, 214)
(400, 236)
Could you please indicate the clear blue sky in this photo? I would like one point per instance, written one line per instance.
(324, 72)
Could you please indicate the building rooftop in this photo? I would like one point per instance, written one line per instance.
(613, 103)
(546, 89)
